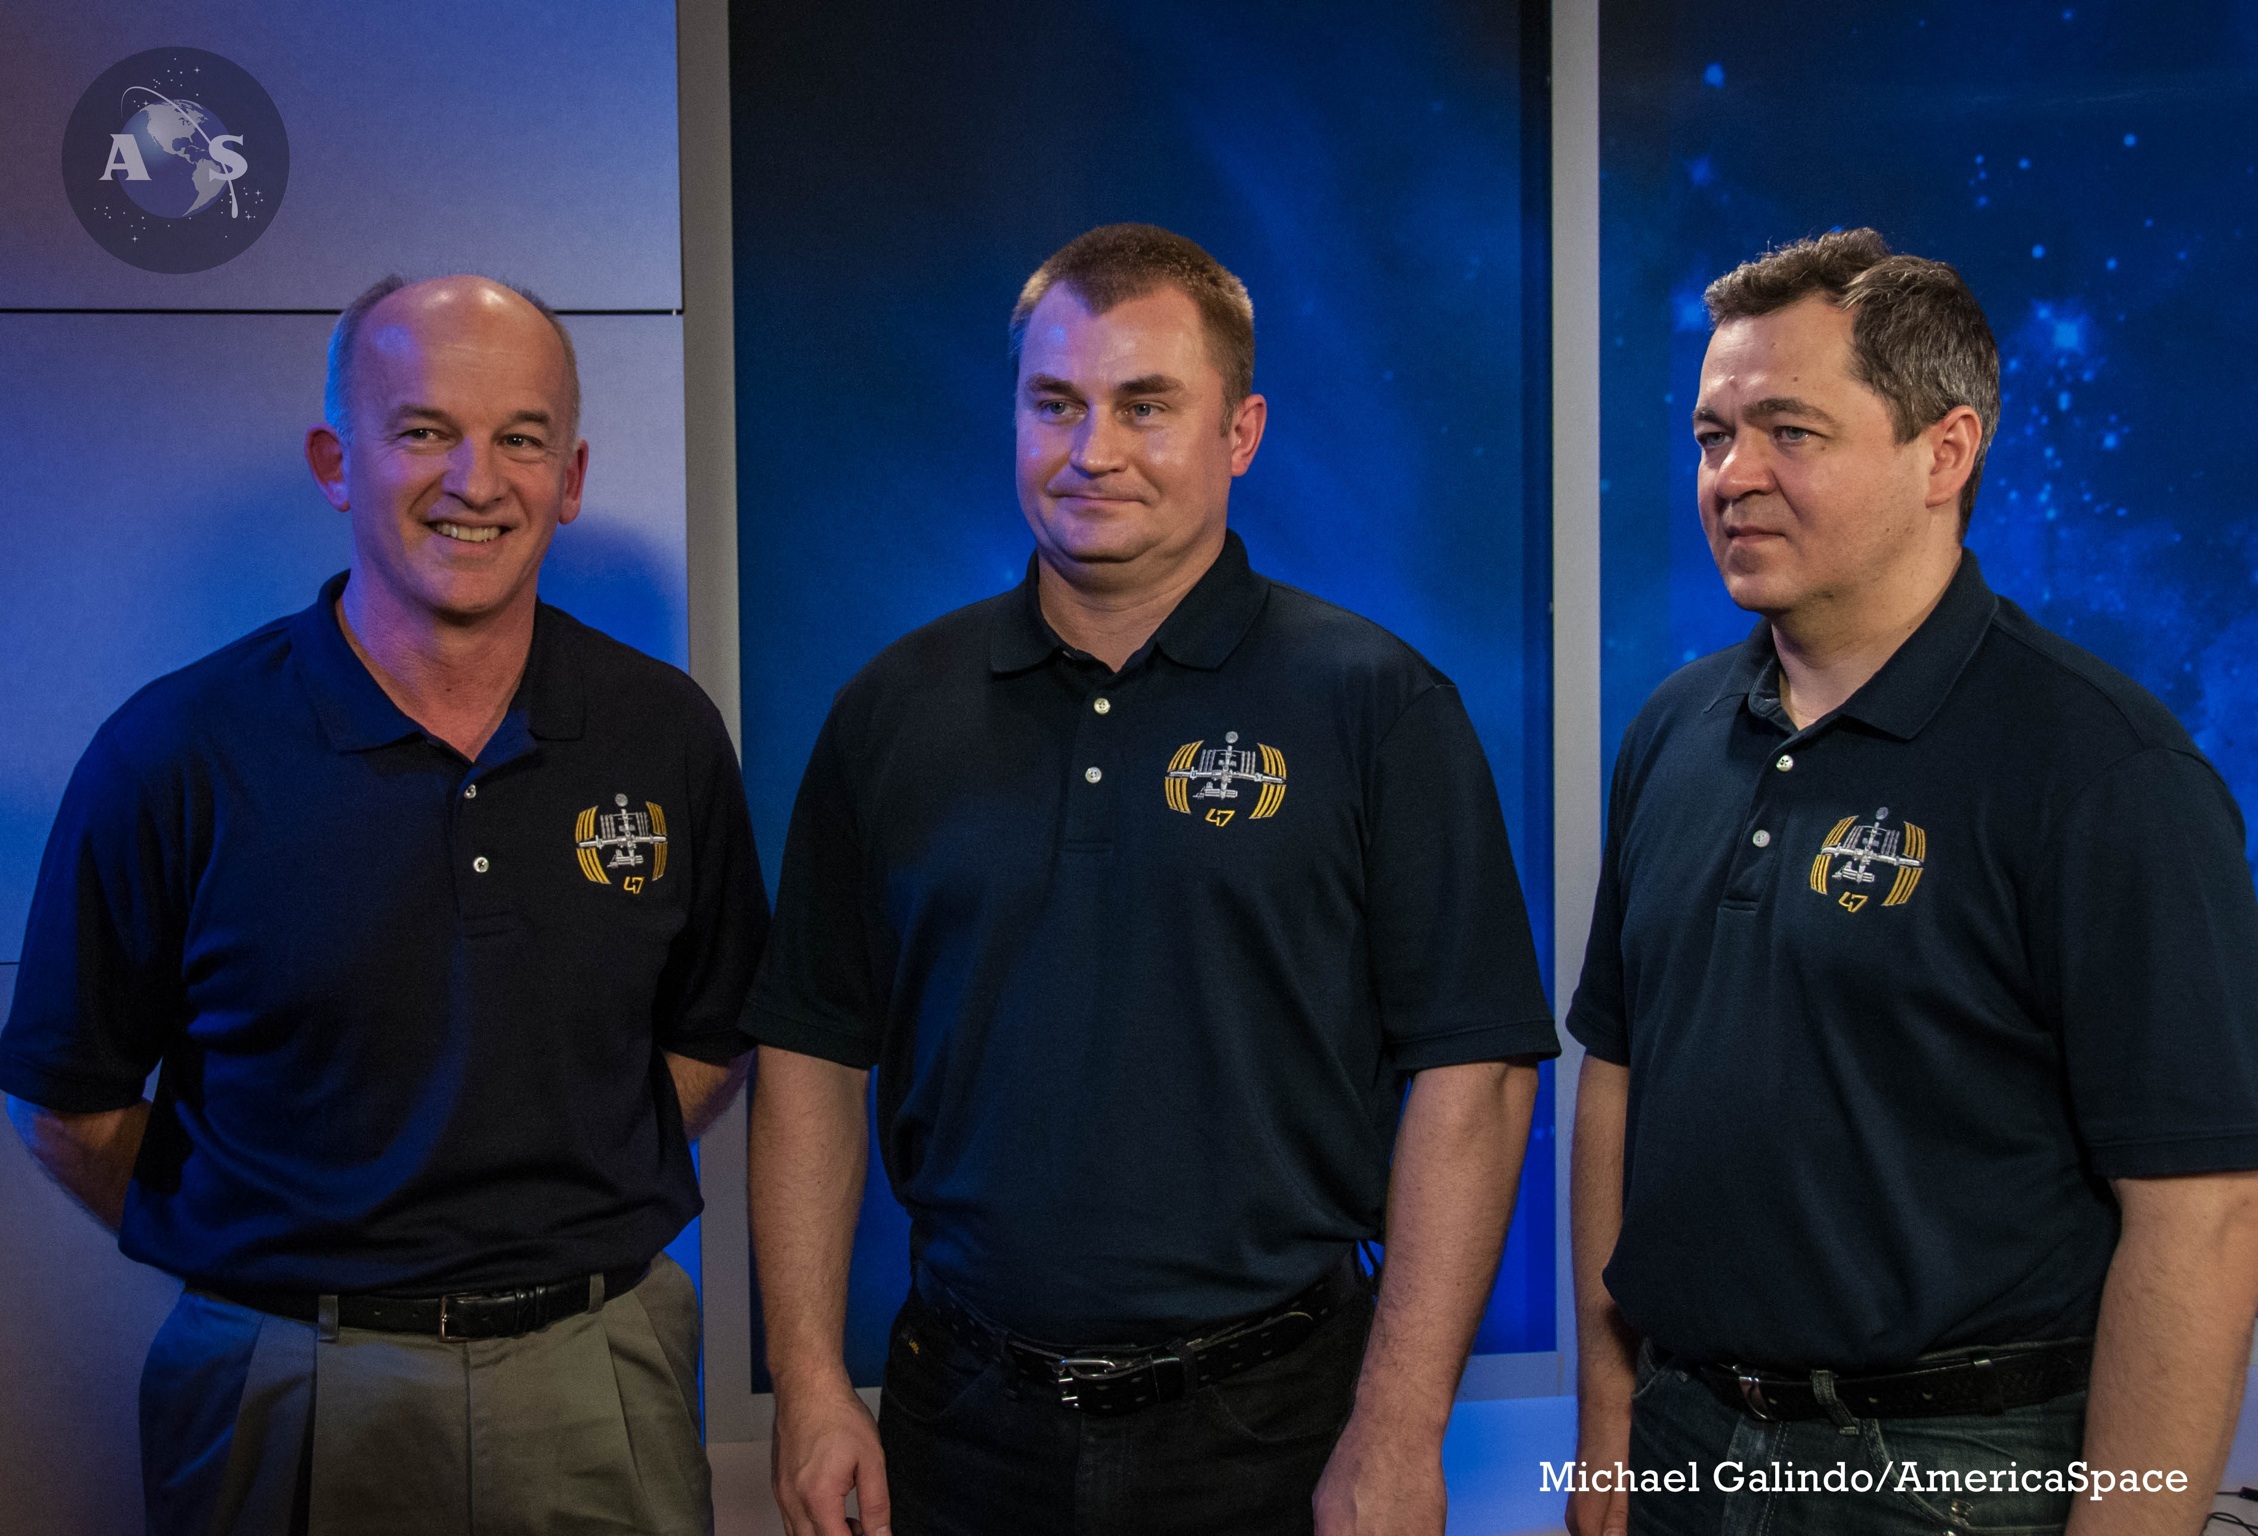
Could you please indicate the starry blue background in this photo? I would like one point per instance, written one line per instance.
(1375, 174)
(2092, 170)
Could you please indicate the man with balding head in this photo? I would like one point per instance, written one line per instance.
(434, 912)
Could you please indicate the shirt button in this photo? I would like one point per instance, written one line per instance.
(1102, 705)
(479, 863)
(1762, 839)
(470, 791)
(1093, 774)
(1785, 763)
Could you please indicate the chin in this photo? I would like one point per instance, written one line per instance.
(1100, 544)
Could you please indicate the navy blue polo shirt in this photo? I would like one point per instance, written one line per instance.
(1902, 991)
(410, 1008)
(1142, 958)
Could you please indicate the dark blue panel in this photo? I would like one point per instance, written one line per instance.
(900, 170)
(2091, 170)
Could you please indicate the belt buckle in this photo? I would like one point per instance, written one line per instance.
(446, 1319)
(1075, 1371)
(1752, 1396)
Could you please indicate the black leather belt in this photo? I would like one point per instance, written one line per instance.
(476, 1315)
(1110, 1380)
(1964, 1381)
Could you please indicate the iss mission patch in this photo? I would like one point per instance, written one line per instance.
(175, 160)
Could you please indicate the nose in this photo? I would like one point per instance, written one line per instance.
(474, 473)
(1100, 445)
(1744, 469)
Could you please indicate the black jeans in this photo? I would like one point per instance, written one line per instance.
(972, 1450)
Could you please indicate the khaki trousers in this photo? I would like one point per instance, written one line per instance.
(253, 1425)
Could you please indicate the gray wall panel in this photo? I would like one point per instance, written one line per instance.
(533, 138)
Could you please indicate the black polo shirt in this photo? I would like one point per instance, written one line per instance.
(410, 1008)
(1902, 991)
(1143, 957)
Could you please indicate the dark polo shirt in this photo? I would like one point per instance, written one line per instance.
(1142, 958)
(410, 1008)
(1901, 992)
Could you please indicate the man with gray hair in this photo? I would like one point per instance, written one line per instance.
(434, 912)
(1913, 1173)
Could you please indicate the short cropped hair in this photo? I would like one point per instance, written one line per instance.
(1118, 262)
(1918, 337)
(344, 349)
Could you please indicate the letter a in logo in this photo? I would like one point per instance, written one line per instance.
(125, 155)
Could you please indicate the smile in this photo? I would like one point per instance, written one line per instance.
(466, 535)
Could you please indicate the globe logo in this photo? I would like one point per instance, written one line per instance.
(175, 157)
(175, 160)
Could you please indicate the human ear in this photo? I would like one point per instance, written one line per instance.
(1245, 431)
(325, 456)
(1953, 441)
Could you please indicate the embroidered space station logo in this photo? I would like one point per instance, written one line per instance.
(629, 844)
(175, 160)
(1860, 856)
(1199, 772)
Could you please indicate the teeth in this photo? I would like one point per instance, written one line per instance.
(467, 535)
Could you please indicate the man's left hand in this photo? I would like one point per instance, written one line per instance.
(1382, 1483)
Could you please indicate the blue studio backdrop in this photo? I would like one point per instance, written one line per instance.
(1376, 175)
(2091, 170)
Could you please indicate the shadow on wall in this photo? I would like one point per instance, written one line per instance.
(613, 577)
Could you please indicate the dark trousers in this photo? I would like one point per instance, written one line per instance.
(1920, 1465)
(972, 1450)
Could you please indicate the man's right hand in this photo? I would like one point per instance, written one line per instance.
(826, 1444)
(1603, 1440)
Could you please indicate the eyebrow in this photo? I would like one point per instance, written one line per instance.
(1146, 384)
(516, 418)
(1770, 405)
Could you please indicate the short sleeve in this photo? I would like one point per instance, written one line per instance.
(701, 1008)
(817, 994)
(99, 993)
(2145, 946)
(1452, 957)
(1598, 1017)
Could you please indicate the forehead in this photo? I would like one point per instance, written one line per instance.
(471, 344)
(1802, 349)
(1157, 332)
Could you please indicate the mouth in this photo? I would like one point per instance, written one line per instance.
(1093, 499)
(466, 533)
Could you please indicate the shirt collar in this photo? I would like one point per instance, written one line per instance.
(1202, 631)
(357, 715)
(1901, 698)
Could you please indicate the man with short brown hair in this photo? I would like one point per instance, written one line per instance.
(1146, 889)
(1914, 1143)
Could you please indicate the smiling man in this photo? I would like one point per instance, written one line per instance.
(1146, 889)
(435, 912)
(1921, 1002)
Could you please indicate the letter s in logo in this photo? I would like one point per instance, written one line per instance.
(224, 156)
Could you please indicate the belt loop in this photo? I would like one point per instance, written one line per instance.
(595, 1293)
(1991, 1394)
(325, 1318)
(1823, 1388)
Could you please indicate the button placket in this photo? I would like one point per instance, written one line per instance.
(480, 881)
(1772, 795)
(1093, 787)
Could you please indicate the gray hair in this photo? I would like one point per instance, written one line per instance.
(344, 348)
(1918, 337)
